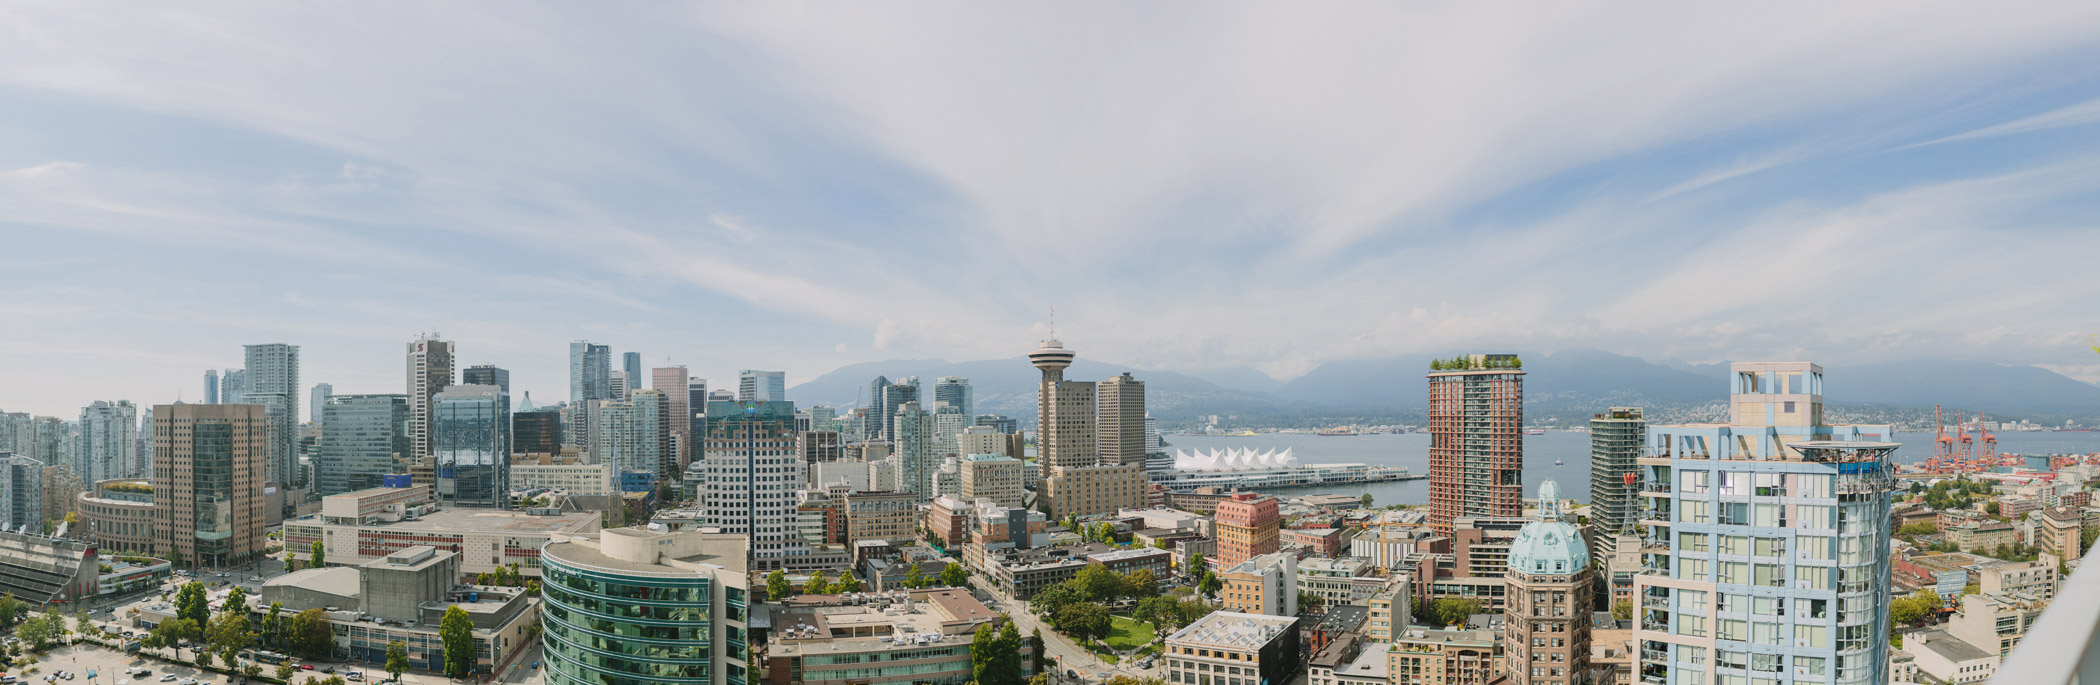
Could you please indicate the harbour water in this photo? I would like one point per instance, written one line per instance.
(1411, 451)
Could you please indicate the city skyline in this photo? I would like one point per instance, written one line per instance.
(1181, 208)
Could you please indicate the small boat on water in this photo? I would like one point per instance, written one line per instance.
(1556, 462)
(1535, 431)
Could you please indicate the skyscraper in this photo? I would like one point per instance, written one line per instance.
(695, 406)
(616, 384)
(470, 436)
(761, 386)
(1476, 438)
(1546, 634)
(630, 434)
(231, 383)
(752, 470)
(108, 441)
(1121, 418)
(1768, 540)
(631, 362)
(208, 481)
(319, 399)
(365, 434)
(211, 386)
(1075, 481)
(1065, 428)
(21, 492)
(486, 374)
(953, 392)
(273, 381)
(18, 434)
(1616, 439)
(673, 382)
(878, 409)
(912, 437)
(590, 372)
(429, 373)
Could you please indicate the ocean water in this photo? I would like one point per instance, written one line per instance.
(1411, 450)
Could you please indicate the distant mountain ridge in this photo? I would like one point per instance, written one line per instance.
(1565, 385)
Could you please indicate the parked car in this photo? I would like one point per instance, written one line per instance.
(169, 678)
(355, 677)
(306, 667)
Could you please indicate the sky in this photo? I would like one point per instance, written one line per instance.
(805, 185)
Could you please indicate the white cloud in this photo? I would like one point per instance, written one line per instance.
(1270, 185)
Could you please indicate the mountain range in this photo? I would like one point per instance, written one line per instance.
(1563, 387)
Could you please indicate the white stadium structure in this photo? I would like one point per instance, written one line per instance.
(1232, 460)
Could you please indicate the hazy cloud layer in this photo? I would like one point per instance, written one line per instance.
(806, 185)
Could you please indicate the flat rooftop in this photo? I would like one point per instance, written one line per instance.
(937, 617)
(1947, 646)
(483, 521)
(727, 554)
(1234, 630)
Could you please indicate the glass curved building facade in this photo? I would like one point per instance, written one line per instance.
(642, 607)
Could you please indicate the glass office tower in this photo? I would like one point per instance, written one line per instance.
(472, 446)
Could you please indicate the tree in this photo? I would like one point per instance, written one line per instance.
(1006, 657)
(396, 659)
(251, 669)
(816, 585)
(1141, 584)
(1099, 583)
(2086, 536)
(319, 555)
(777, 587)
(982, 646)
(43, 630)
(1084, 620)
(236, 600)
(1449, 611)
(311, 634)
(228, 634)
(954, 575)
(291, 561)
(10, 609)
(174, 557)
(1622, 610)
(1159, 611)
(1048, 601)
(191, 603)
(1197, 565)
(1365, 500)
(1210, 584)
(847, 583)
(912, 577)
(286, 670)
(1310, 601)
(273, 625)
(82, 624)
(170, 634)
(456, 630)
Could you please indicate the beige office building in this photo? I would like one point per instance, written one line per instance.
(882, 515)
(1089, 490)
(992, 477)
(1121, 419)
(988, 440)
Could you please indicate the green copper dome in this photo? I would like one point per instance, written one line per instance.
(1549, 546)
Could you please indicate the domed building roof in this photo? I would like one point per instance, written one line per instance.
(1549, 546)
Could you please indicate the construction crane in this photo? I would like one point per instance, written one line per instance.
(1990, 442)
(1942, 446)
(1961, 430)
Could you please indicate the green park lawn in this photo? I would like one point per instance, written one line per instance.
(1128, 633)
